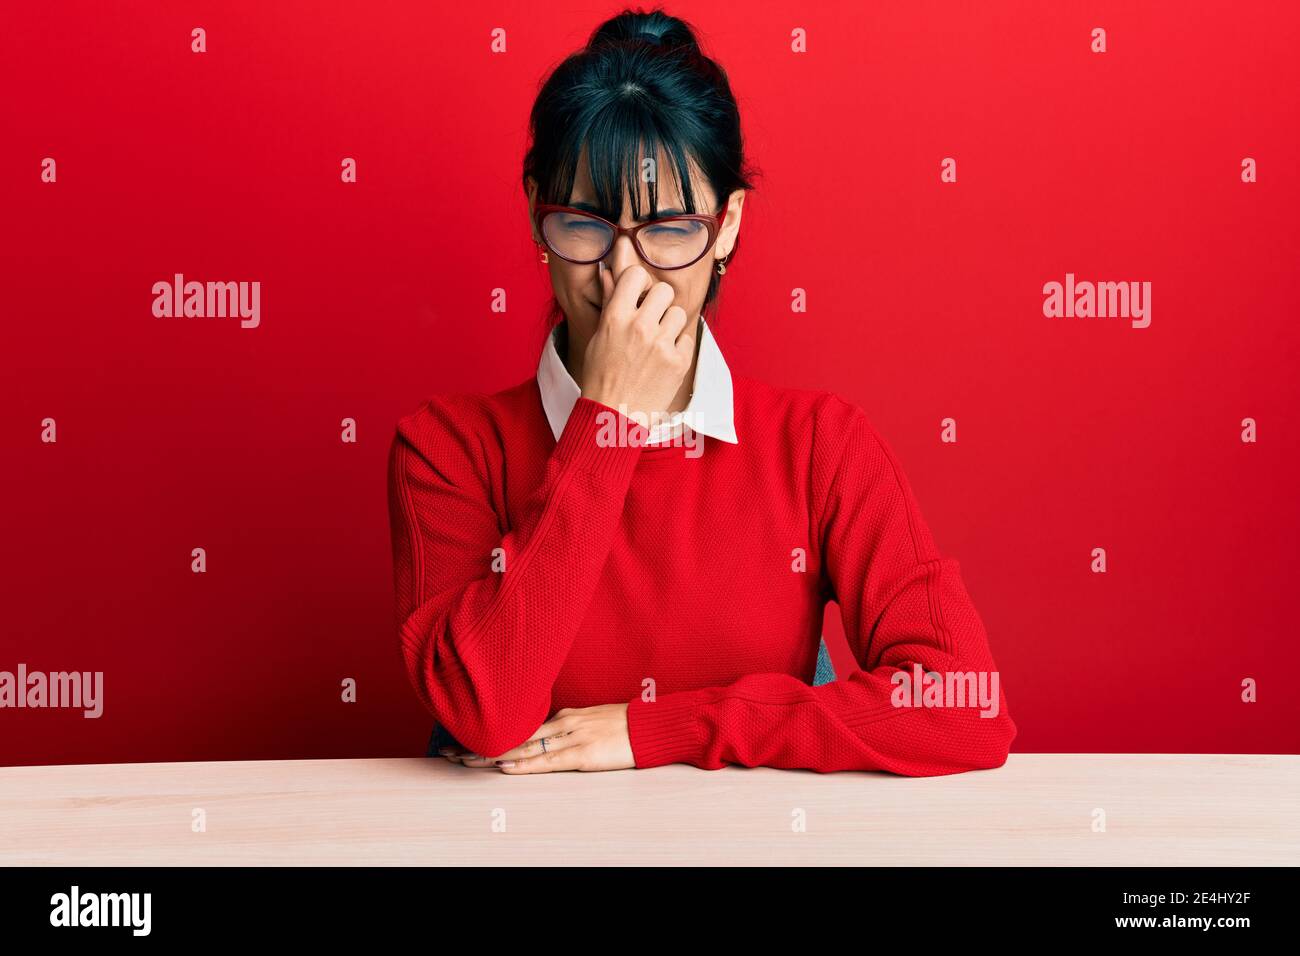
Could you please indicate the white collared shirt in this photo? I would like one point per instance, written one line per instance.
(711, 410)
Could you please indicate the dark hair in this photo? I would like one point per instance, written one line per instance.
(641, 82)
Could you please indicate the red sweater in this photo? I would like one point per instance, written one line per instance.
(533, 575)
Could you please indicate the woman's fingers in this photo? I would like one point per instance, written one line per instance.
(622, 302)
(559, 732)
(534, 748)
(672, 324)
(656, 301)
(577, 738)
(606, 285)
(555, 738)
(568, 758)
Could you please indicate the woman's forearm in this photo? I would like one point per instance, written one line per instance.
(486, 619)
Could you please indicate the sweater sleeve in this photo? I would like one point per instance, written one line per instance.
(486, 616)
(906, 612)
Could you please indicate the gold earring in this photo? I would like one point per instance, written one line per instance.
(545, 257)
(722, 266)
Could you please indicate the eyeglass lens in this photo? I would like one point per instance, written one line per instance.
(672, 243)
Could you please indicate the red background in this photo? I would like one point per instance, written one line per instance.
(925, 301)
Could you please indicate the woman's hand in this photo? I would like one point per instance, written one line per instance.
(582, 738)
(638, 355)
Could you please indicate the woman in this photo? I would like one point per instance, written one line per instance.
(624, 561)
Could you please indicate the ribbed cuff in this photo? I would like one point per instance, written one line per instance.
(600, 440)
(665, 730)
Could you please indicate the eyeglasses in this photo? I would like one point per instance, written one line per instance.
(582, 238)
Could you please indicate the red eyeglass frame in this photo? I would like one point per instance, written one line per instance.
(713, 222)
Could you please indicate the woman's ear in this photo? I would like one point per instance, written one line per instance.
(731, 223)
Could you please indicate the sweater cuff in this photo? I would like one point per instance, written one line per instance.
(665, 730)
(600, 440)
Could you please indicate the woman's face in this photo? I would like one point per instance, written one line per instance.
(577, 287)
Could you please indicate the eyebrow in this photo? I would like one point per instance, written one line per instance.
(663, 213)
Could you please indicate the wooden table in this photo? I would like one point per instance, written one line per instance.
(1160, 810)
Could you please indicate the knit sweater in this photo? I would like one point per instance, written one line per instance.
(534, 574)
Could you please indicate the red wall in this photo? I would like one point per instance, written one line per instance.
(924, 299)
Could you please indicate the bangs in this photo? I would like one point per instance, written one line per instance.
(617, 142)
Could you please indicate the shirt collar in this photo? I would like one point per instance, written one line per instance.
(711, 410)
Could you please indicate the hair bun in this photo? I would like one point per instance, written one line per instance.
(656, 28)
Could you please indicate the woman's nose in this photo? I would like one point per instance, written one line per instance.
(621, 255)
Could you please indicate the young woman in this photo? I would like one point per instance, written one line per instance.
(624, 561)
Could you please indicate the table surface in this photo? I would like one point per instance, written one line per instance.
(1040, 809)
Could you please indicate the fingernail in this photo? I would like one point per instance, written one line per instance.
(505, 763)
